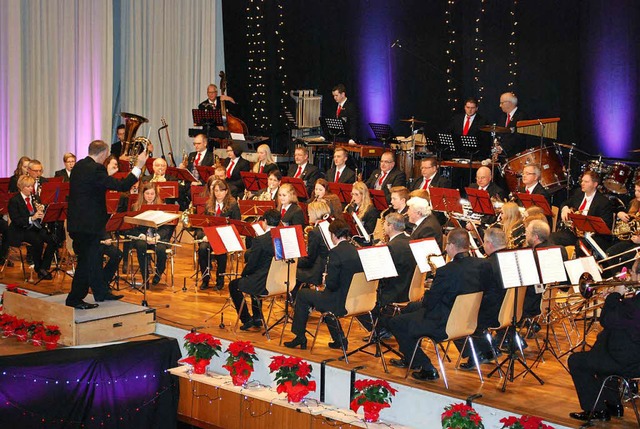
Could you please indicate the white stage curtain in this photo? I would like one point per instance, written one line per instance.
(56, 79)
(69, 67)
(170, 51)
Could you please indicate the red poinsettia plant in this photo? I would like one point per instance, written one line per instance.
(240, 361)
(373, 396)
(461, 416)
(201, 347)
(37, 332)
(292, 377)
(11, 288)
(523, 422)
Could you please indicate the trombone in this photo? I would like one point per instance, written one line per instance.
(635, 256)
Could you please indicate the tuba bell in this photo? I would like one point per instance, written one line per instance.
(132, 144)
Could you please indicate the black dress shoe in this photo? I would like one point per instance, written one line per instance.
(252, 323)
(426, 374)
(297, 341)
(156, 279)
(401, 363)
(44, 275)
(615, 409)
(220, 283)
(597, 415)
(204, 285)
(338, 344)
(470, 365)
(83, 306)
(9, 262)
(109, 297)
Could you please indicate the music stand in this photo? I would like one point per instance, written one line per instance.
(54, 192)
(254, 207)
(382, 132)
(445, 143)
(537, 200)
(205, 172)
(4, 184)
(445, 200)
(298, 185)
(124, 166)
(480, 201)
(116, 224)
(244, 228)
(593, 224)
(469, 145)
(378, 199)
(207, 117)
(181, 174)
(55, 212)
(254, 181)
(113, 200)
(167, 190)
(201, 221)
(332, 127)
(342, 190)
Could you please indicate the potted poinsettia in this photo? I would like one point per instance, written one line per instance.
(461, 416)
(240, 361)
(292, 377)
(373, 396)
(523, 422)
(201, 347)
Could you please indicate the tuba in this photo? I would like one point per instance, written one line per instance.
(132, 144)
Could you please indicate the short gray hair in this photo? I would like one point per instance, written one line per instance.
(420, 205)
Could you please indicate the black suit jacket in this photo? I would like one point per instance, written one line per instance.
(394, 178)
(349, 116)
(438, 181)
(512, 143)
(493, 295)
(493, 190)
(235, 182)
(293, 216)
(116, 149)
(429, 227)
(19, 215)
(309, 175)
(232, 211)
(620, 339)
(62, 173)
(600, 207)
(396, 289)
(343, 263)
(258, 261)
(540, 190)
(347, 175)
(311, 267)
(206, 105)
(456, 126)
(87, 211)
(207, 161)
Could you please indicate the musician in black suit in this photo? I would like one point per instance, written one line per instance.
(213, 99)
(430, 178)
(394, 289)
(484, 182)
(342, 264)
(35, 170)
(426, 223)
(220, 203)
(616, 351)
(69, 160)
(531, 182)
(116, 147)
(387, 176)
(463, 275)
(362, 205)
(87, 218)
(233, 165)
(303, 169)
(469, 122)
(26, 226)
(201, 156)
(290, 211)
(347, 111)
(513, 142)
(339, 170)
(587, 201)
(311, 267)
(254, 275)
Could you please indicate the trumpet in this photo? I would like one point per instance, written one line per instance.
(184, 216)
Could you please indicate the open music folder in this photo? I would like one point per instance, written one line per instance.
(576, 267)
(518, 268)
(326, 235)
(424, 249)
(288, 242)
(377, 262)
(224, 239)
(551, 265)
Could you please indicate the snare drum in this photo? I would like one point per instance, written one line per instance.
(617, 178)
(552, 174)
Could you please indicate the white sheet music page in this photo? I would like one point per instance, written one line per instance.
(363, 232)
(324, 229)
(528, 267)
(257, 228)
(421, 249)
(157, 216)
(377, 262)
(229, 238)
(575, 268)
(290, 245)
(551, 265)
(509, 269)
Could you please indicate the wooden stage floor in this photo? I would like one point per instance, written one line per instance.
(194, 308)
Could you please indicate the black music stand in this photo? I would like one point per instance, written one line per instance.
(469, 144)
(446, 143)
(206, 117)
(537, 200)
(332, 127)
(382, 132)
(342, 190)
(254, 181)
(116, 224)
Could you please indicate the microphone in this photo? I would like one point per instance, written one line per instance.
(396, 43)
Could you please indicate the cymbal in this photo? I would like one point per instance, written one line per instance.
(413, 121)
(495, 128)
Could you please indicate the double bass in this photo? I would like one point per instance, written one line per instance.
(232, 123)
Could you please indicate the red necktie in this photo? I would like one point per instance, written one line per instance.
(337, 176)
(467, 124)
(528, 191)
(583, 205)
(29, 206)
(229, 168)
(381, 179)
(426, 184)
(261, 168)
(508, 120)
(298, 173)
(197, 162)
(282, 212)
(338, 111)
(218, 210)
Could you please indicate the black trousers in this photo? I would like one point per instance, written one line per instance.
(89, 269)
(109, 271)
(588, 370)
(38, 238)
(408, 328)
(161, 257)
(237, 297)
(321, 301)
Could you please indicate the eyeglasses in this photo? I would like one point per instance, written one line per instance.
(384, 161)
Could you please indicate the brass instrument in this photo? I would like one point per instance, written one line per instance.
(625, 230)
(587, 285)
(131, 124)
(378, 232)
(156, 179)
(185, 158)
(40, 208)
(432, 264)
(348, 208)
(184, 216)
(625, 262)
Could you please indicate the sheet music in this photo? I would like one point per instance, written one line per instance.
(475, 247)
(324, 230)
(528, 267)
(229, 238)
(551, 265)
(377, 262)
(589, 237)
(509, 269)
(360, 227)
(290, 246)
(518, 268)
(258, 229)
(157, 216)
(237, 136)
(587, 264)
(423, 248)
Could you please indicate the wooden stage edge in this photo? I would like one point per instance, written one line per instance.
(418, 404)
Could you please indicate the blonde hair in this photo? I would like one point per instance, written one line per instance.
(288, 188)
(511, 217)
(318, 210)
(366, 198)
(267, 160)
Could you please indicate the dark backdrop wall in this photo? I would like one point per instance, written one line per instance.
(563, 59)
